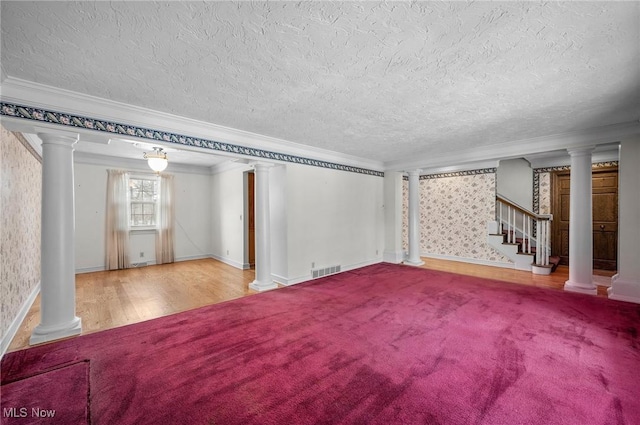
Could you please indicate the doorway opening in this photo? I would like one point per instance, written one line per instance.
(605, 217)
(250, 214)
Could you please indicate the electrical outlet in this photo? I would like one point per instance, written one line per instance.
(141, 254)
(227, 252)
(313, 264)
(376, 252)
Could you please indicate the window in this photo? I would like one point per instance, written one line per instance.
(143, 198)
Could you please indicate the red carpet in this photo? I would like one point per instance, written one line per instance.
(384, 344)
(58, 396)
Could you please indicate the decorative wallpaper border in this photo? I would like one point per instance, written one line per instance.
(455, 174)
(77, 121)
(538, 171)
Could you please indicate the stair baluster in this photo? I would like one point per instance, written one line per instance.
(535, 239)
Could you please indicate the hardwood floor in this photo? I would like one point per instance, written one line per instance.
(107, 300)
(555, 280)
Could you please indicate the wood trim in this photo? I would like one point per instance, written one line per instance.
(597, 168)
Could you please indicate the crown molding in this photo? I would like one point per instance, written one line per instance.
(459, 168)
(39, 96)
(606, 135)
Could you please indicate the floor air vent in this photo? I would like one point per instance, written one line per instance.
(324, 272)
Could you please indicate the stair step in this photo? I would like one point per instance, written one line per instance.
(555, 261)
(521, 248)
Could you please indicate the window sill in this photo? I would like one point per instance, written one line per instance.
(142, 231)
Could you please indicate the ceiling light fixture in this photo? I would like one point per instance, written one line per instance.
(157, 159)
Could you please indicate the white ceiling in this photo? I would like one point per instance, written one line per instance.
(384, 81)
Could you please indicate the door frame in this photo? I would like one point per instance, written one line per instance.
(249, 215)
(553, 182)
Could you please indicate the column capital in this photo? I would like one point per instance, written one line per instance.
(262, 166)
(581, 150)
(415, 172)
(57, 136)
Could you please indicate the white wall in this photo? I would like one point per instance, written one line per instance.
(278, 222)
(334, 218)
(90, 199)
(193, 212)
(319, 216)
(193, 226)
(515, 181)
(227, 215)
(393, 252)
(625, 285)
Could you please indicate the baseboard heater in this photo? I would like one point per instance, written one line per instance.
(135, 265)
(315, 273)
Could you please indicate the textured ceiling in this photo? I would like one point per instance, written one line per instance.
(385, 81)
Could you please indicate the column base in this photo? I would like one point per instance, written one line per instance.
(43, 334)
(581, 288)
(413, 262)
(262, 286)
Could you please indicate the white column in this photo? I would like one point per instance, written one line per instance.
(414, 219)
(625, 286)
(58, 281)
(263, 279)
(580, 224)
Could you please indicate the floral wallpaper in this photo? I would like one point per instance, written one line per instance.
(20, 198)
(544, 195)
(453, 216)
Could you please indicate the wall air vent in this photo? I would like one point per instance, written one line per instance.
(315, 273)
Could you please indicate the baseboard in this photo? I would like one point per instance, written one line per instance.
(288, 282)
(361, 264)
(147, 263)
(15, 325)
(233, 263)
(90, 269)
(469, 260)
(344, 268)
(192, 257)
(394, 257)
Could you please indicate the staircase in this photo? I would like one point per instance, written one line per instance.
(522, 236)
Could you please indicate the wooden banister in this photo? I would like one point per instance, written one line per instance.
(530, 223)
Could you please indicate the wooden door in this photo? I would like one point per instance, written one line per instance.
(251, 223)
(560, 210)
(605, 220)
(605, 217)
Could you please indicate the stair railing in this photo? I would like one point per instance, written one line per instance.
(533, 228)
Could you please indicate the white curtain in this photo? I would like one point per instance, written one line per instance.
(164, 238)
(117, 221)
